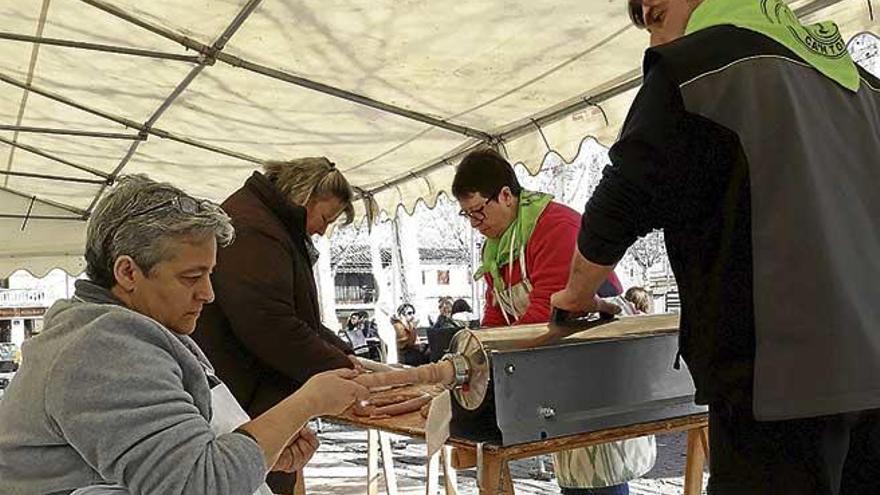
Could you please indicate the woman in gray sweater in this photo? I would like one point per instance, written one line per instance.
(114, 397)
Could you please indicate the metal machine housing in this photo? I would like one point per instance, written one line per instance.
(530, 389)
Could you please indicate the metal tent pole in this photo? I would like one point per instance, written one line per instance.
(49, 156)
(127, 122)
(353, 97)
(32, 64)
(77, 211)
(60, 178)
(286, 77)
(40, 217)
(165, 33)
(630, 80)
(69, 132)
(218, 45)
(82, 45)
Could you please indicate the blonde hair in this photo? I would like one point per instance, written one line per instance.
(303, 179)
(640, 299)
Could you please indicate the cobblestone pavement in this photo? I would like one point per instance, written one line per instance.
(340, 467)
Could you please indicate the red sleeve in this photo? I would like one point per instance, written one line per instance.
(492, 316)
(548, 259)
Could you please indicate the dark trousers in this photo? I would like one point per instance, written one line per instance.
(281, 482)
(413, 355)
(608, 490)
(827, 455)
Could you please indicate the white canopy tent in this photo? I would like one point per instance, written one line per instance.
(199, 92)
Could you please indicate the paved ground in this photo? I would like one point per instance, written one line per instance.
(340, 467)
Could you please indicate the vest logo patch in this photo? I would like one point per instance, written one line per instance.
(823, 38)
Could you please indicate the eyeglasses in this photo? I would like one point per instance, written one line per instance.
(181, 202)
(409, 312)
(477, 214)
(184, 204)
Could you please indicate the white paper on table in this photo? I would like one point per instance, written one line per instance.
(437, 425)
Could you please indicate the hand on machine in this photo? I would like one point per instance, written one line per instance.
(569, 303)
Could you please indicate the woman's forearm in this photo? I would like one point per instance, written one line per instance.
(274, 429)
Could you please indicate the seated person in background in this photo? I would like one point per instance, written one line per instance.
(409, 351)
(529, 244)
(114, 397)
(455, 315)
(444, 308)
(444, 305)
(463, 315)
(361, 333)
(441, 334)
(639, 300)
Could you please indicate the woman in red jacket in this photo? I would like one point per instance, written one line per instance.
(530, 240)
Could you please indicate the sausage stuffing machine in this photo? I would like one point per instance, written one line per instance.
(534, 382)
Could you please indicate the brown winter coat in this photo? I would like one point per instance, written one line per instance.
(263, 333)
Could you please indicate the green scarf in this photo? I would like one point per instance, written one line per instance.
(820, 45)
(496, 252)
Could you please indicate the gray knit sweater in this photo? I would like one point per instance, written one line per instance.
(106, 395)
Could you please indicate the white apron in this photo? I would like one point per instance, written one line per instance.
(597, 466)
(227, 416)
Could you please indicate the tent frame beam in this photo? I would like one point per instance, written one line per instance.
(99, 47)
(32, 65)
(216, 54)
(60, 178)
(153, 28)
(76, 211)
(813, 7)
(70, 132)
(353, 97)
(49, 156)
(61, 99)
(127, 122)
(217, 46)
(147, 127)
(40, 217)
(631, 80)
(211, 53)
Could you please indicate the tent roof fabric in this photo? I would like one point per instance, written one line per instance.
(200, 92)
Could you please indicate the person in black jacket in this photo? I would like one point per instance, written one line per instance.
(753, 142)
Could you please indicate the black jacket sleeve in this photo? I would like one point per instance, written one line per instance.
(633, 196)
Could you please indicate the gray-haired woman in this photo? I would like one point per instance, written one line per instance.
(114, 397)
(264, 333)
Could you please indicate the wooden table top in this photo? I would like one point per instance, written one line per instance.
(413, 425)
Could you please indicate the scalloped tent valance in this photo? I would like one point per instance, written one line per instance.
(199, 92)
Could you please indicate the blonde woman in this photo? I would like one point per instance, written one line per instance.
(263, 333)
